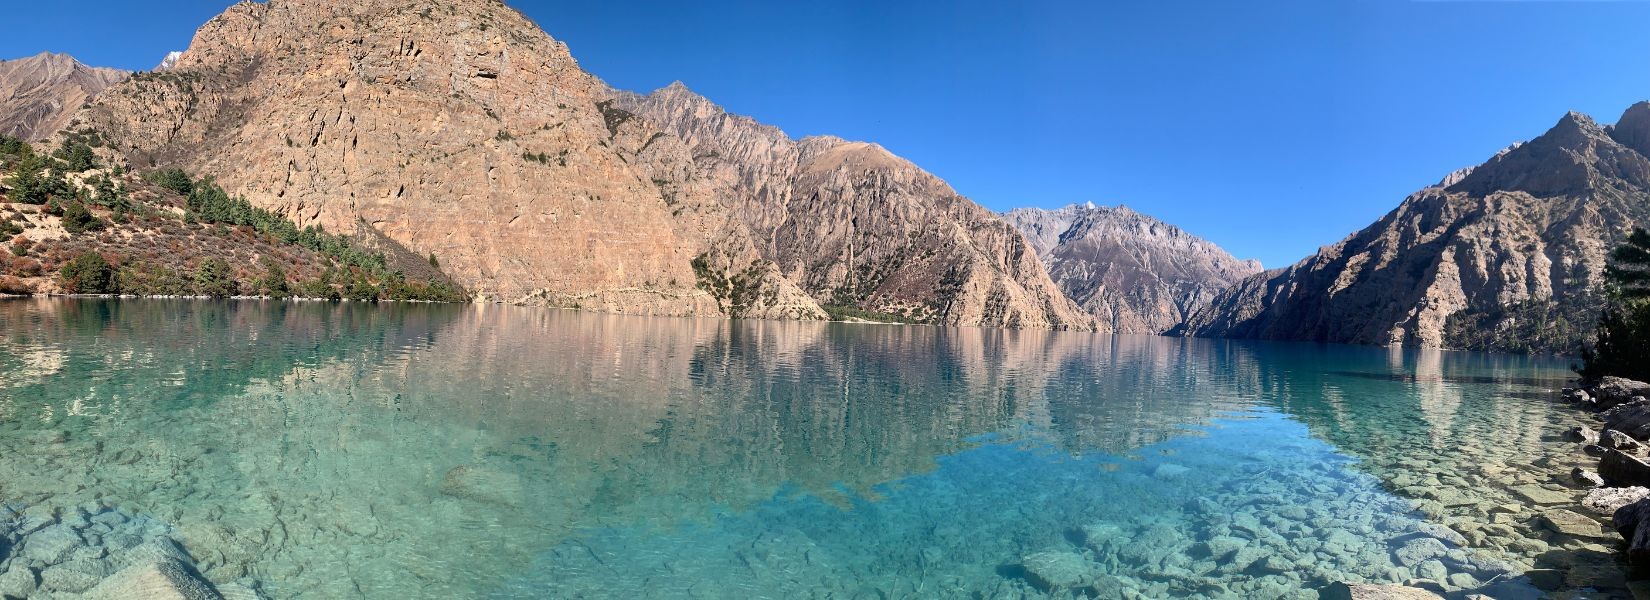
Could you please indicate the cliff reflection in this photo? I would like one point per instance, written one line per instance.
(727, 413)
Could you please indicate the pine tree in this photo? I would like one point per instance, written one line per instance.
(1622, 347)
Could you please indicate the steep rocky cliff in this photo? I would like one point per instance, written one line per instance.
(1127, 269)
(39, 94)
(454, 128)
(1506, 255)
(459, 129)
(855, 225)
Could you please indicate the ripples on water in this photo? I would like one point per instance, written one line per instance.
(348, 450)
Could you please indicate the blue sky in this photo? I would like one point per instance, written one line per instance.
(1270, 127)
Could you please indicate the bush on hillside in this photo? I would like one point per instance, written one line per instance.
(87, 274)
(215, 278)
(77, 219)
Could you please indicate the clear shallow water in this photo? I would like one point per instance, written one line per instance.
(334, 451)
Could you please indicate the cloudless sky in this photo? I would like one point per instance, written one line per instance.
(1269, 127)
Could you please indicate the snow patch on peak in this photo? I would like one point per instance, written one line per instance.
(170, 61)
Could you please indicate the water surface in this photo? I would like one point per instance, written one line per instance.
(418, 451)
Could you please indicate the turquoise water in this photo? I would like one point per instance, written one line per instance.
(310, 450)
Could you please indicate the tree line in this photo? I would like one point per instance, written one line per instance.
(350, 271)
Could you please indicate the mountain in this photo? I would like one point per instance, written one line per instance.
(1134, 272)
(458, 129)
(39, 94)
(855, 225)
(1508, 255)
(454, 130)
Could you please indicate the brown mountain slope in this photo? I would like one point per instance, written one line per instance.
(1508, 255)
(1139, 274)
(454, 128)
(460, 129)
(855, 225)
(39, 94)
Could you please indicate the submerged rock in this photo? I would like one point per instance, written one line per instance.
(1055, 571)
(1606, 501)
(1571, 523)
(52, 544)
(1419, 550)
(483, 484)
(1536, 494)
(1582, 434)
(18, 582)
(159, 580)
(1354, 591)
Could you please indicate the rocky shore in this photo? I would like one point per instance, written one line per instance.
(98, 553)
(1619, 484)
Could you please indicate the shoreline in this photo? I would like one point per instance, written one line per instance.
(1618, 483)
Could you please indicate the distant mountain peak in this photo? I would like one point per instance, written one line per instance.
(1570, 158)
(1633, 129)
(1506, 255)
(1130, 270)
(39, 94)
(171, 61)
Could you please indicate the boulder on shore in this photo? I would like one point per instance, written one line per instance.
(1587, 479)
(1606, 501)
(1611, 391)
(1632, 419)
(1618, 440)
(1631, 522)
(1620, 469)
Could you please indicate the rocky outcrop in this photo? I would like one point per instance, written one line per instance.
(1509, 255)
(40, 94)
(854, 225)
(1134, 272)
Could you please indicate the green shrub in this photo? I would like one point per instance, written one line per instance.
(150, 280)
(173, 179)
(33, 183)
(77, 157)
(273, 282)
(87, 274)
(213, 277)
(76, 219)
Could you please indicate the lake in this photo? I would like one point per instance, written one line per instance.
(325, 450)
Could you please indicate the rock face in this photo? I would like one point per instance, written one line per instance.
(1507, 255)
(459, 129)
(853, 224)
(40, 94)
(1127, 269)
